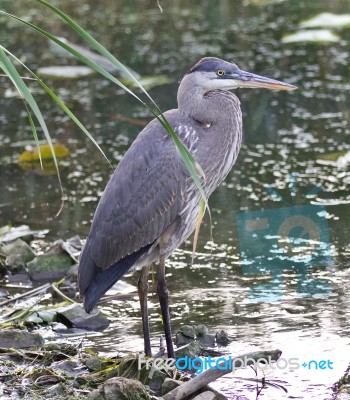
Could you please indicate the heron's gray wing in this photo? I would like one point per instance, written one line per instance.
(142, 198)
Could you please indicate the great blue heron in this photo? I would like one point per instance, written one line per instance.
(151, 204)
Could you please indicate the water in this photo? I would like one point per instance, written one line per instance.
(295, 154)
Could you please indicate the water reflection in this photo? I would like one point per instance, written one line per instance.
(306, 132)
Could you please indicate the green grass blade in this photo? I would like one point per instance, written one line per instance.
(22, 88)
(188, 159)
(95, 44)
(76, 54)
(59, 102)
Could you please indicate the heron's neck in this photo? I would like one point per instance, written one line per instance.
(206, 107)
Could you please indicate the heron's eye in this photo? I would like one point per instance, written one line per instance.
(220, 72)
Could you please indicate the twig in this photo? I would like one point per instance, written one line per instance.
(159, 6)
(40, 289)
(210, 375)
(22, 314)
(55, 289)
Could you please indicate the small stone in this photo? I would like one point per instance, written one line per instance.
(222, 338)
(75, 316)
(34, 318)
(193, 350)
(21, 278)
(20, 339)
(18, 255)
(185, 335)
(188, 330)
(4, 293)
(120, 389)
(168, 385)
(205, 337)
(157, 380)
(94, 363)
(70, 367)
(51, 266)
(47, 315)
(207, 395)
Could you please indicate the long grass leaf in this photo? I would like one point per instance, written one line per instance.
(22, 88)
(94, 43)
(59, 102)
(188, 159)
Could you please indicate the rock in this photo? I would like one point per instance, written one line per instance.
(95, 363)
(158, 377)
(57, 391)
(222, 338)
(51, 266)
(4, 293)
(344, 394)
(193, 350)
(189, 333)
(204, 336)
(47, 315)
(207, 395)
(185, 335)
(168, 385)
(20, 339)
(75, 316)
(120, 389)
(34, 318)
(69, 367)
(20, 279)
(18, 255)
(72, 246)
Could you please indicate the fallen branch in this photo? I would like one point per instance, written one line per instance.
(210, 375)
(32, 292)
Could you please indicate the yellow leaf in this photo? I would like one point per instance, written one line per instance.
(45, 151)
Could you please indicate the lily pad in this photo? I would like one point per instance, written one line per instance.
(327, 20)
(148, 82)
(313, 36)
(65, 72)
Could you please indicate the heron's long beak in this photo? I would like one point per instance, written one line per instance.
(249, 80)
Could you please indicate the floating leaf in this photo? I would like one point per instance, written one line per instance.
(65, 72)
(315, 36)
(327, 20)
(264, 2)
(334, 156)
(32, 154)
(148, 82)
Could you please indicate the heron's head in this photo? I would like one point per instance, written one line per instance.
(211, 73)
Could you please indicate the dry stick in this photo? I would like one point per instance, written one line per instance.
(210, 375)
(55, 289)
(40, 289)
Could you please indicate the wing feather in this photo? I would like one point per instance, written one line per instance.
(142, 198)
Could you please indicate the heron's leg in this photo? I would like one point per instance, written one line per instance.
(143, 291)
(163, 294)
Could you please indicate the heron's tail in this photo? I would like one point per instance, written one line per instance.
(103, 279)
